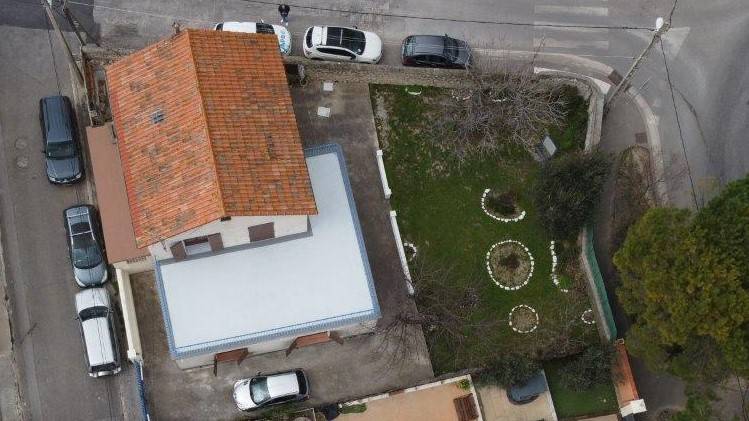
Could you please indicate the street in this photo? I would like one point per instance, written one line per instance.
(48, 350)
(695, 82)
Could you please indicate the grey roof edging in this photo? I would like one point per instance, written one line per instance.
(288, 331)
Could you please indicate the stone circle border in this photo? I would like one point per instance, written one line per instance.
(554, 276)
(515, 329)
(592, 320)
(500, 219)
(489, 266)
(413, 247)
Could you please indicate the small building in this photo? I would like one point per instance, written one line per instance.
(254, 243)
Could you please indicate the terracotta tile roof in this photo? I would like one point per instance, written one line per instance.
(206, 129)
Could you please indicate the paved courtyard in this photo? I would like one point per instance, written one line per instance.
(363, 365)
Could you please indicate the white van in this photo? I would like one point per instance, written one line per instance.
(283, 34)
(96, 315)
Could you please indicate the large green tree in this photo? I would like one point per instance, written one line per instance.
(685, 281)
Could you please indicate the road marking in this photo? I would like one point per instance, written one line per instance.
(558, 26)
(572, 10)
(555, 43)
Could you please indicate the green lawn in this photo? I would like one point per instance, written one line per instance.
(438, 207)
(599, 400)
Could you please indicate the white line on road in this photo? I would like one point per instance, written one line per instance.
(557, 26)
(570, 44)
(572, 10)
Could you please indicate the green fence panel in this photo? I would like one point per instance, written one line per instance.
(600, 289)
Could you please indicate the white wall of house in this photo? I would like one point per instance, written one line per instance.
(281, 344)
(233, 232)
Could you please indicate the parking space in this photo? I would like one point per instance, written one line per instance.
(362, 365)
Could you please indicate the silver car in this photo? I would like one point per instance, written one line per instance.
(273, 389)
(85, 245)
(96, 316)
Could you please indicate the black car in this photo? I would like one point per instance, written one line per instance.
(60, 137)
(529, 391)
(435, 51)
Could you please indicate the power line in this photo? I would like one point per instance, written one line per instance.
(678, 124)
(390, 15)
(446, 19)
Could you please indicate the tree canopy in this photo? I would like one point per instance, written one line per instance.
(685, 281)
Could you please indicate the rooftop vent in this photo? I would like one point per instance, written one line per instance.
(157, 117)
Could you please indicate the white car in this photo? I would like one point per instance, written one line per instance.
(262, 391)
(342, 44)
(284, 37)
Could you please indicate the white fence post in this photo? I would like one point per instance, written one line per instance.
(401, 252)
(383, 176)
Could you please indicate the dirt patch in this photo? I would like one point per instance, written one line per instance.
(510, 264)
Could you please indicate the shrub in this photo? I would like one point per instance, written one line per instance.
(353, 409)
(502, 203)
(587, 369)
(568, 190)
(464, 384)
(511, 369)
(511, 261)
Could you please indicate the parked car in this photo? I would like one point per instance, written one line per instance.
(60, 137)
(283, 35)
(528, 392)
(342, 44)
(96, 316)
(85, 245)
(262, 391)
(435, 51)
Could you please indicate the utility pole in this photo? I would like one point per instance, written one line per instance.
(69, 53)
(661, 27)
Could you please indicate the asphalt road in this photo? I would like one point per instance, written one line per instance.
(48, 349)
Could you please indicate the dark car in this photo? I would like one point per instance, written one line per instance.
(85, 245)
(435, 51)
(529, 391)
(273, 389)
(60, 140)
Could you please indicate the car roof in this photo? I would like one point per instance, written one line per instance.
(534, 386)
(426, 44)
(283, 384)
(98, 339)
(250, 27)
(57, 117)
(91, 297)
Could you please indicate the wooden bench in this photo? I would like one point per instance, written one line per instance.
(465, 406)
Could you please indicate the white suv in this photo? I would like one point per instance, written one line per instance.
(342, 44)
(96, 316)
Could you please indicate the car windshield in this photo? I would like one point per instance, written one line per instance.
(350, 39)
(91, 312)
(451, 48)
(264, 28)
(259, 390)
(86, 254)
(60, 150)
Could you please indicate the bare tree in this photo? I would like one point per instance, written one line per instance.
(446, 310)
(499, 106)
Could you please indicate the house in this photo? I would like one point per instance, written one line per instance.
(255, 243)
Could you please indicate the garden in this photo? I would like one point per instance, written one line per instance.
(491, 278)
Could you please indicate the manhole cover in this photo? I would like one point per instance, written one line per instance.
(22, 161)
(21, 143)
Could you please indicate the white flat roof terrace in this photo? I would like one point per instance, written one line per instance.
(286, 287)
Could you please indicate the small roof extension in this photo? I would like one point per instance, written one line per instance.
(206, 129)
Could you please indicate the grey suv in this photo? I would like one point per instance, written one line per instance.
(60, 140)
(435, 51)
(85, 245)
